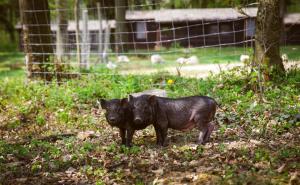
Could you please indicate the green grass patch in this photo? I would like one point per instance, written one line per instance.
(30, 113)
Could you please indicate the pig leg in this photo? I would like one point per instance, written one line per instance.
(209, 131)
(123, 135)
(130, 133)
(203, 127)
(201, 136)
(164, 133)
(158, 135)
(161, 133)
(202, 124)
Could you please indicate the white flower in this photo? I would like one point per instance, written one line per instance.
(192, 60)
(156, 59)
(123, 58)
(111, 65)
(244, 58)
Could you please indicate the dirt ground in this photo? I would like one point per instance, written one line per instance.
(198, 71)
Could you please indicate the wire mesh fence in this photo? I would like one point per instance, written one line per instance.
(187, 41)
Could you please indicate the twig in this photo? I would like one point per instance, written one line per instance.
(112, 167)
(50, 138)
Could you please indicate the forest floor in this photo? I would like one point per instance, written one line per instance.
(56, 134)
(94, 156)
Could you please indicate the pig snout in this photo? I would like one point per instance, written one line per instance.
(138, 120)
(112, 119)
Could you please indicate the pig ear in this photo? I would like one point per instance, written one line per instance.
(103, 103)
(124, 102)
(152, 99)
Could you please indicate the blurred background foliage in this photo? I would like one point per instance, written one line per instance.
(9, 12)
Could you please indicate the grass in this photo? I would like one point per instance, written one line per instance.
(9, 62)
(56, 133)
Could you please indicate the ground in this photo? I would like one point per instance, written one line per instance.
(56, 134)
(94, 156)
(210, 59)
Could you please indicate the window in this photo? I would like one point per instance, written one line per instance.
(226, 28)
(250, 27)
(141, 29)
(214, 28)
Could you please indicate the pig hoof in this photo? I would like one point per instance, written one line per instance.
(201, 143)
(126, 144)
(165, 144)
(159, 144)
(162, 146)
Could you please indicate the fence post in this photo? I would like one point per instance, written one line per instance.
(38, 49)
(85, 40)
(106, 42)
(100, 36)
(62, 29)
(77, 15)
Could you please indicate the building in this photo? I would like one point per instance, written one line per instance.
(93, 27)
(191, 27)
(202, 27)
(150, 29)
(292, 29)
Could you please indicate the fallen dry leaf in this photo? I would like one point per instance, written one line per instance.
(281, 168)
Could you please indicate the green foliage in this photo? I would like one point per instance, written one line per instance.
(132, 150)
(34, 110)
(205, 3)
(6, 44)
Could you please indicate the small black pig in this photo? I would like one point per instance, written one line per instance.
(180, 114)
(118, 114)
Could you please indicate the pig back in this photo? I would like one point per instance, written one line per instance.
(187, 112)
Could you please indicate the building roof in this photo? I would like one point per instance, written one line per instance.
(93, 25)
(180, 15)
(206, 14)
(293, 18)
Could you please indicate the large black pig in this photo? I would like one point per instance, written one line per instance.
(179, 114)
(118, 114)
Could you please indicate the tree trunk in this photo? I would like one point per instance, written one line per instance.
(100, 33)
(203, 3)
(9, 27)
(85, 44)
(77, 15)
(121, 27)
(268, 33)
(154, 4)
(137, 4)
(37, 37)
(283, 10)
(106, 42)
(62, 29)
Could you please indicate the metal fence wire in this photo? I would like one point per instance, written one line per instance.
(194, 41)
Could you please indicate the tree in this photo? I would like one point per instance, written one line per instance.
(121, 27)
(35, 16)
(77, 17)
(267, 43)
(8, 10)
(62, 28)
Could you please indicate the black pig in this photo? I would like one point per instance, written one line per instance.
(118, 114)
(180, 114)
